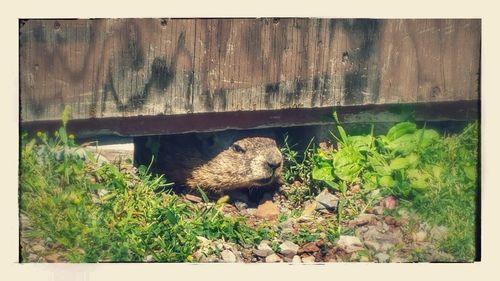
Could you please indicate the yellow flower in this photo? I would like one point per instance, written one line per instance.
(71, 136)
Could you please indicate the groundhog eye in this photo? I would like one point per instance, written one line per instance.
(238, 148)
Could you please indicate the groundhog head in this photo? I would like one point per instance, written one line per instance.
(223, 161)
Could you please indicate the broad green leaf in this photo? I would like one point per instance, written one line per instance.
(426, 137)
(387, 181)
(401, 129)
(399, 163)
(361, 143)
(322, 174)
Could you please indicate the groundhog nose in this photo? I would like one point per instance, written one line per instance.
(274, 163)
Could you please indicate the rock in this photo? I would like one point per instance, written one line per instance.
(267, 210)
(349, 244)
(296, 259)
(438, 232)
(389, 202)
(382, 257)
(308, 259)
(309, 248)
(263, 250)
(32, 258)
(378, 210)
(326, 200)
(261, 253)
(273, 258)
(362, 219)
(355, 189)
(38, 248)
(309, 209)
(193, 198)
(420, 236)
(228, 256)
(240, 205)
(287, 226)
(387, 239)
(203, 242)
(288, 248)
(52, 258)
(251, 211)
(149, 258)
(372, 245)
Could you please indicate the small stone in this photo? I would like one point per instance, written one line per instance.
(203, 242)
(287, 226)
(308, 248)
(228, 256)
(438, 232)
(355, 189)
(251, 211)
(288, 248)
(372, 245)
(38, 248)
(378, 210)
(102, 192)
(240, 205)
(52, 258)
(420, 236)
(267, 210)
(309, 209)
(389, 202)
(362, 219)
(308, 259)
(261, 253)
(149, 258)
(32, 258)
(349, 244)
(382, 257)
(296, 259)
(273, 258)
(193, 198)
(326, 200)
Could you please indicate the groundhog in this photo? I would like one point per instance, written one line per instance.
(220, 162)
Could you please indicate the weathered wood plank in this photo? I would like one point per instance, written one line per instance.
(146, 67)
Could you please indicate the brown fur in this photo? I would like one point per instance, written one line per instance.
(222, 162)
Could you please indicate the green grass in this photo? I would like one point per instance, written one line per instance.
(98, 213)
(435, 175)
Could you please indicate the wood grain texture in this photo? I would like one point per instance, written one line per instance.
(147, 67)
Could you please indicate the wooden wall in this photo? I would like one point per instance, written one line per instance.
(135, 67)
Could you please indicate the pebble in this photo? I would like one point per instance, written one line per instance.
(289, 248)
(326, 200)
(349, 244)
(287, 226)
(149, 258)
(38, 248)
(420, 236)
(240, 205)
(309, 209)
(438, 232)
(309, 248)
(296, 259)
(372, 245)
(362, 219)
(273, 258)
(267, 210)
(389, 202)
(382, 257)
(52, 258)
(228, 256)
(251, 211)
(308, 259)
